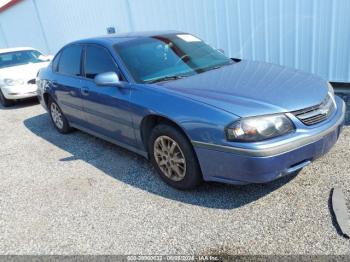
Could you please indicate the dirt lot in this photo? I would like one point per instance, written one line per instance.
(69, 194)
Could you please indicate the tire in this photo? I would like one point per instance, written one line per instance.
(176, 163)
(58, 119)
(5, 102)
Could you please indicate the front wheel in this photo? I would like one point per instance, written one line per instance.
(174, 158)
(58, 119)
(4, 101)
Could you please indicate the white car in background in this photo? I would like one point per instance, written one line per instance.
(18, 70)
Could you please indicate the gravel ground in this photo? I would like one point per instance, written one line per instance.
(76, 194)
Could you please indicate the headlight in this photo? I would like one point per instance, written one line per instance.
(331, 92)
(253, 129)
(13, 82)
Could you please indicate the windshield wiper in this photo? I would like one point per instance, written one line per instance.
(166, 78)
(215, 67)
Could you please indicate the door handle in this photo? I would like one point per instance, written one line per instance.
(85, 91)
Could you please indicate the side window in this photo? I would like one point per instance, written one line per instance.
(70, 61)
(55, 62)
(98, 60)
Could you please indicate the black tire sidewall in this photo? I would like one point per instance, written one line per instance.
(5, 102)
(193, 176)
(66, 128)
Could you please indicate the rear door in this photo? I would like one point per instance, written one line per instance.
(67, 83)
(106, 107)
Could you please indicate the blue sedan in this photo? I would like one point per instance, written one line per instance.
(192, 111)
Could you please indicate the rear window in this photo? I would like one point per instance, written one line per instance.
(55, 62)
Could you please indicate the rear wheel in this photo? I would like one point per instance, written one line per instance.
(174, 158)
(58, 119)
(4, 101)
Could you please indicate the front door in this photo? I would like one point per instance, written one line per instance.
(106, 107)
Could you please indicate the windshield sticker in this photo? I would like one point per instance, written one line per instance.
(189, 38)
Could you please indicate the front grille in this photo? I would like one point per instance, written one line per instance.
(316, 114)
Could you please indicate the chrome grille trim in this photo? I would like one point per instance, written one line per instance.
(316, 114)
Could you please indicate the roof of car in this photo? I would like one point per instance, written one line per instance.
(15, 49)
(118, 38)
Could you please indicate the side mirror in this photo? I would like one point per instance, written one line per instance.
(45, 58)
(50, 57)
(107, 79)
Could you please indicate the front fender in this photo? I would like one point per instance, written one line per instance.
(199, 121)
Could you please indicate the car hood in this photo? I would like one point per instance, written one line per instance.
(249, 88)
(25, 72)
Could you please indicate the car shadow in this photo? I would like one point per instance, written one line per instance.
(137, 172)
(21, 104)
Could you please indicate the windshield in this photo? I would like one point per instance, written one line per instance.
(168, 57)
(21, 58)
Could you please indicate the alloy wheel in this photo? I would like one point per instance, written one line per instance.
(170, 158)
(56, 115)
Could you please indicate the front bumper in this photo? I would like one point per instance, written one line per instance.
(263, 162)
(19, 92)
(41, 98)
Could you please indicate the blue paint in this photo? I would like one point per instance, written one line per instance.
(202, 106)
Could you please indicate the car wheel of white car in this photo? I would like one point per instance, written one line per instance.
(5, 102)
(174, 158)
(59, 120)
